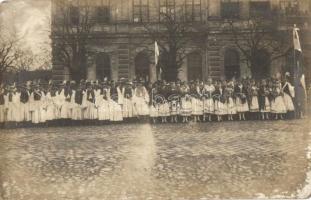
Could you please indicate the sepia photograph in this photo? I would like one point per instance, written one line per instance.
(155, 99)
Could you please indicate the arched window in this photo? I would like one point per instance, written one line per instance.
(232, 64)
(261, 65)
(194, 63)
(142, 64)
(103, 66)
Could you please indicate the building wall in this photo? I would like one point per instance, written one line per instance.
(122, 40)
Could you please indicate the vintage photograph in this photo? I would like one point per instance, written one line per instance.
(155, 99)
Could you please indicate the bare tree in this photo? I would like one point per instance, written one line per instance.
(25, 59)
(44, 60)
(8, 55)
(257, 36)
(71, 31)
(172, 35)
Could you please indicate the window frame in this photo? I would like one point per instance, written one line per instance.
(103, 14)
(74, 15)
(255, 12)
(168, 7)
(193, 14)
(141, 14)
(230, 3)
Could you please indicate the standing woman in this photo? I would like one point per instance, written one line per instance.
(253, 99)
(35, 99)
(208, 102)
(90, 111)
(230, 101)
(197, 102)
(78, 99)
(240, 93)
(43, 105)
(114, 107)
(141, 99)
(128, 100)
(154, 105)
(9, 105)
(174, 102)
(2, 102)
(17, 113)
(50, 107)
(186, 107)
(63, 102)
(219, 102)
(72, 103)
(278, 107)
(164, 108)
(263, 100)
(25, 96)
(24, 102)
(103, 103)
(289, 93)
(98, 96)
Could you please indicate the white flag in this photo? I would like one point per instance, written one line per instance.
(296, 39)
(156, 52)
(303, 83)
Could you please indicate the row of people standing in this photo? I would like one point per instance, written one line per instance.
(175, 101)
(105, 101)
(202, 101)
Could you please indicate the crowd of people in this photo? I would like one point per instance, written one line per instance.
(97, 102)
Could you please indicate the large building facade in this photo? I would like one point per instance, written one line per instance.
(118, 46)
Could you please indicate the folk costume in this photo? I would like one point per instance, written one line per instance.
(288, 95)
(277, 105)
(208, 102)
(114, 106)
(141, 100)
(103, 104)
(253, 99)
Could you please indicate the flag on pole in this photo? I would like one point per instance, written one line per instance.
(296, 39)
(299, 69)
(156, 57)
(303, 83)
(156, 52)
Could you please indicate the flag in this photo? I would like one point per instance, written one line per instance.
(156, 52)
(303, 84)
(296, 39)
(156, 57)
(300, 77)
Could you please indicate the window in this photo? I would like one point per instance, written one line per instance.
(74, 15)
(232, 64)
(140, 11)
(290, 7)
(259, 9)
(194, 62)
(230, 9)
(193, 10)
(167, 7)
(102, 14)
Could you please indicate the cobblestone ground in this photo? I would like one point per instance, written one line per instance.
(163, 161)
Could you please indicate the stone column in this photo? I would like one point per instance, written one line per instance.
(91, 66)
(66, 74)
(244, 7)
(114, 66)
(152, 73)
(183, 71)
(214, 8)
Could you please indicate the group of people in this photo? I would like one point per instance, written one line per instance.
(88, 102)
